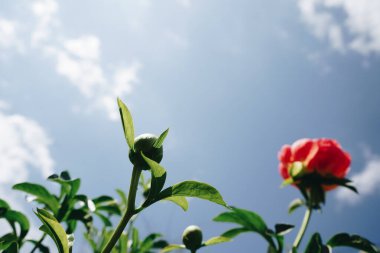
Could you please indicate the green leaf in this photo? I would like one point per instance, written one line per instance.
(172, 247)
(54, 230)
(42, 194)
(235, 232)
(158, 178)
(246, 218)
(161, 139)
(126, 119)
(148, 242)
(193, 189)
(294, 205)
(249, 220)
(4, 204)
(315, 245)
(216, 240)
(180, 201)
(282, 229)
(13, 248)
(15, 216)
(353, 241)
(6, 240)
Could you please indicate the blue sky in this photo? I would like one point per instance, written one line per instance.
(233, 81)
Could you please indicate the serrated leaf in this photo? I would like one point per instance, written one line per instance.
(158, 143)
(294, 205)
(126, 119)
(172, 247)
(54, 229)
(353, 241)
(180, 201)
(282, 229)
(193, 189)
(41, 193)
(157, 180)
(216, 240)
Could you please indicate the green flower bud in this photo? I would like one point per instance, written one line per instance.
(144, 143)
(192, 237)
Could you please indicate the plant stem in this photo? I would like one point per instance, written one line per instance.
(38, 243)
(128, 213)
(304, 225)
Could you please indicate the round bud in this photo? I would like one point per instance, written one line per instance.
(144, 143)
(192, 237)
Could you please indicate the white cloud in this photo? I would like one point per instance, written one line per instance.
(358, 29)
(8, 35)
(24, 147)
(86, 47)
(367, 182)
(45, 12)
(23, 144)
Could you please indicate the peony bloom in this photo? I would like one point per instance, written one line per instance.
(324, 157)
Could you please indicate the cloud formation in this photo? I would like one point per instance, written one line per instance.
(367, 182)
(358, 29)
(24, 147)
(8, 35)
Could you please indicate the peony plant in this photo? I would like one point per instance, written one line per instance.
(313, 166)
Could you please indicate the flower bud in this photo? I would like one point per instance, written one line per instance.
(144, 143)
(192, 237)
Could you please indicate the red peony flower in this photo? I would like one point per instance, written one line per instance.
(324, 157)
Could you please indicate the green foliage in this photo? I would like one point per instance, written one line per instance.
(126, 119)
(352, 241)
(54, 229)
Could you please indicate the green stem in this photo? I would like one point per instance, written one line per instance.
(128, 213)
(301, 232)
(37, 245)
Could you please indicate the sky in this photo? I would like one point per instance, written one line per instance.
(234, 81)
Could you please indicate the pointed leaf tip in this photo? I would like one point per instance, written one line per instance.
(127, 121)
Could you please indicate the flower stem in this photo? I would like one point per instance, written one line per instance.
(128, 213)
(304, 225)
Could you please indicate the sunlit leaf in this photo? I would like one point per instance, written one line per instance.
(54, 229)
(126, 119)
(158, 177)
(172, 247)
(161, 139)
(295, 204)
(193, 189)
(216, 240)
(180, 201)
(41, 193)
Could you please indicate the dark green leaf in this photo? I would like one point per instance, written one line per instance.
(13, 248)
(126, 119)
(249, 220)
(41, 248)
(235, 232)
(148, 242)
(54, 230)
(18, 217)
(193, 189)
(42, 194)
(315, 245)
(353, 241)
(295, 204)
(4, 204)
(161, 139)
(282, 229)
